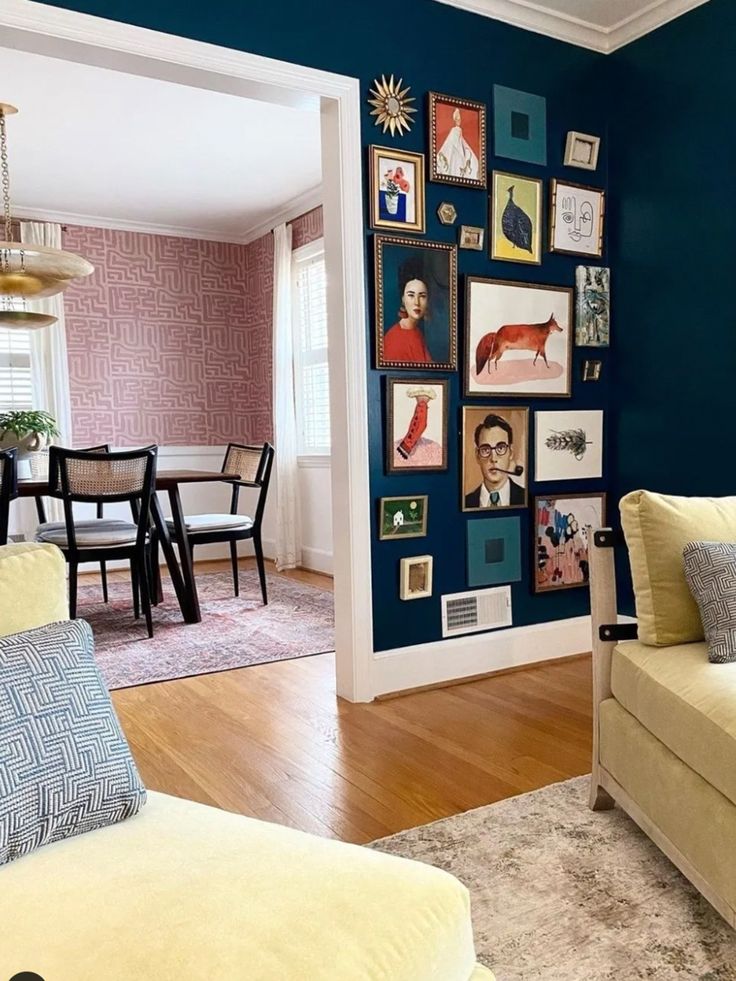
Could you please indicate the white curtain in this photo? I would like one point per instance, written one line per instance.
(288, 517)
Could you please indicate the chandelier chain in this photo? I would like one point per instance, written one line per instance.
(5, 176)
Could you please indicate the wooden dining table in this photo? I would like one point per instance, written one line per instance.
(181, 571)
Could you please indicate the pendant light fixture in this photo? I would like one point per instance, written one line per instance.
(29, 271)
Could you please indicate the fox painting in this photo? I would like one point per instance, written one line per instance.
(514, 337)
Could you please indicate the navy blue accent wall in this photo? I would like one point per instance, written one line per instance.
(672, 237)
(433, 47)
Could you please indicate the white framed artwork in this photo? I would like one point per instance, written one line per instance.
(416, 577)
(581, 150)
(568, 445)
(576, 219)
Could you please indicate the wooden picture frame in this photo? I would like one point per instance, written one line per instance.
(417, 412)
(413, 509)
(523, 197)
(457, 140)
(516, 459)
(576, 219)
(423, 338)
(562, 552)
(397, 183)
(494, 304)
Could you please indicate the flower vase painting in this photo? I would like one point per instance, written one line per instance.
(397, 190)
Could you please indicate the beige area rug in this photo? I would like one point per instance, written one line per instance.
(561, 893)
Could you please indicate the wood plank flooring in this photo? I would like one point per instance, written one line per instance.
(273, 741)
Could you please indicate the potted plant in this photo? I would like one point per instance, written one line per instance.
(30, 431)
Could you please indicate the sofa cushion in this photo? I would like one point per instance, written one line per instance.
(32, 586)
(657, 528)
(685, 701)
(710, 572)
(65, 767)
(184, 892)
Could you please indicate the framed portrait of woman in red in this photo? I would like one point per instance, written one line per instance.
(457, 141)
(416, 304)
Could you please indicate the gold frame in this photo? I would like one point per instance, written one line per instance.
(420, 225)
(403, 497)
(462, 237)
(497, 410)
(433, 99)
(379, 241)
(492, 202)
(556, 181)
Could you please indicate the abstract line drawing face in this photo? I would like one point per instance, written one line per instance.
(578, 216)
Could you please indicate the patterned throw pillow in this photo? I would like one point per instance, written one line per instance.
(65, 767)
(710, 570)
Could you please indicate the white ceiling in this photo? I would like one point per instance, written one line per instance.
(603, 25)
(95, 146)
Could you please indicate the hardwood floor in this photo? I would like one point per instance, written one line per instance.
(273, 741)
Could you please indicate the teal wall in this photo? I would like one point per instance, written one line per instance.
(433, 47)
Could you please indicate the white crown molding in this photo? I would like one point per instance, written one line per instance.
(585, 34)
(297, 206)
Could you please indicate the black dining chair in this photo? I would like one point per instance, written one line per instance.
(41, 512)
(8, 488)
(104, 478)
(253, 466)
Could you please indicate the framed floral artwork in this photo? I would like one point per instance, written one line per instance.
(516, 218)
(560, 559)
(576, 219)
(397, 190)
(417, 424)
(416, 304)
(457, 141)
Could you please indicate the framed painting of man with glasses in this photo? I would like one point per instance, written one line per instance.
(494, 453)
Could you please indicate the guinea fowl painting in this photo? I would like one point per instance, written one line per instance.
(518, 338)
(516, 215)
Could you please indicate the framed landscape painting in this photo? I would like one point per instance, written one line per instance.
(560, 559)
(416, 304)
(457, 141)
(518, 339)
(516, 218)
(397, 190)
(403, 517)
(417, 425)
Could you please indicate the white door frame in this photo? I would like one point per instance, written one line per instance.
(71, 36)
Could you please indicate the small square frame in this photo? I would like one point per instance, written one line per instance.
(581, 150)
(471, 237)
(406, 592)
(592, 370)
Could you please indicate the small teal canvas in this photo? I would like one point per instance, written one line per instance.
(494, 551)
(520, 125)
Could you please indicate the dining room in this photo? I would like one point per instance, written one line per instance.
(168, 425)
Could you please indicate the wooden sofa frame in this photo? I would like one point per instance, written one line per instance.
(605, 790)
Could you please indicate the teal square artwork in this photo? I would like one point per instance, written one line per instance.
(494, 551)
(519, 125)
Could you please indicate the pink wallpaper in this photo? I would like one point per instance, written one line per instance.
(170, 339)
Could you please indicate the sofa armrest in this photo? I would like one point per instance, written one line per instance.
(32, 587)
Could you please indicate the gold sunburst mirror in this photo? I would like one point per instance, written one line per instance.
(392, 107)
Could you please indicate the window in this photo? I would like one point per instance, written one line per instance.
(16, 390)
(311, 372)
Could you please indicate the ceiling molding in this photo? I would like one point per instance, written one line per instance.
(293, 208)
(540, 20)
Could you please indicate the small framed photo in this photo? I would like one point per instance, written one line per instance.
(457, 141)
(592, 371)
(581, 150)
(471, 237)
(403, 517)
(417, 425)
(560, 559)
(516, 218)
(576, 219)
(569, 445)
(416, 577)
(592, 306)
(397, 190)
(416, 304)
(494, 457)
(494, 551)
(518, 339)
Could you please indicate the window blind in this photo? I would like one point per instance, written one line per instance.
(16, 389)
(311, 372)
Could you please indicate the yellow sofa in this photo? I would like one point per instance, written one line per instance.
(183, 891)
(665, 717)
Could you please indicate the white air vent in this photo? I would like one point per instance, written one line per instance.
(479, 609)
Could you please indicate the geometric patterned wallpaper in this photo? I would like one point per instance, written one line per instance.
(170, 339)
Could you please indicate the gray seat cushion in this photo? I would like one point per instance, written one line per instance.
(215, 522)
(94, 533)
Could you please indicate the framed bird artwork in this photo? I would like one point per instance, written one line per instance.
(516, 218)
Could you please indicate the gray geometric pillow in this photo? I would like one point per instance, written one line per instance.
(710, 570)
(65, 767)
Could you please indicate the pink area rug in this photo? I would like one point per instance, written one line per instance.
(234, 632)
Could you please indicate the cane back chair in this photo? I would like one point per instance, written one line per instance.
(8, 488)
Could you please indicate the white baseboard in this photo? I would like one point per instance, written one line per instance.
(463, 657)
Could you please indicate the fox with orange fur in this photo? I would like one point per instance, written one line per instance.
(514, 337)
